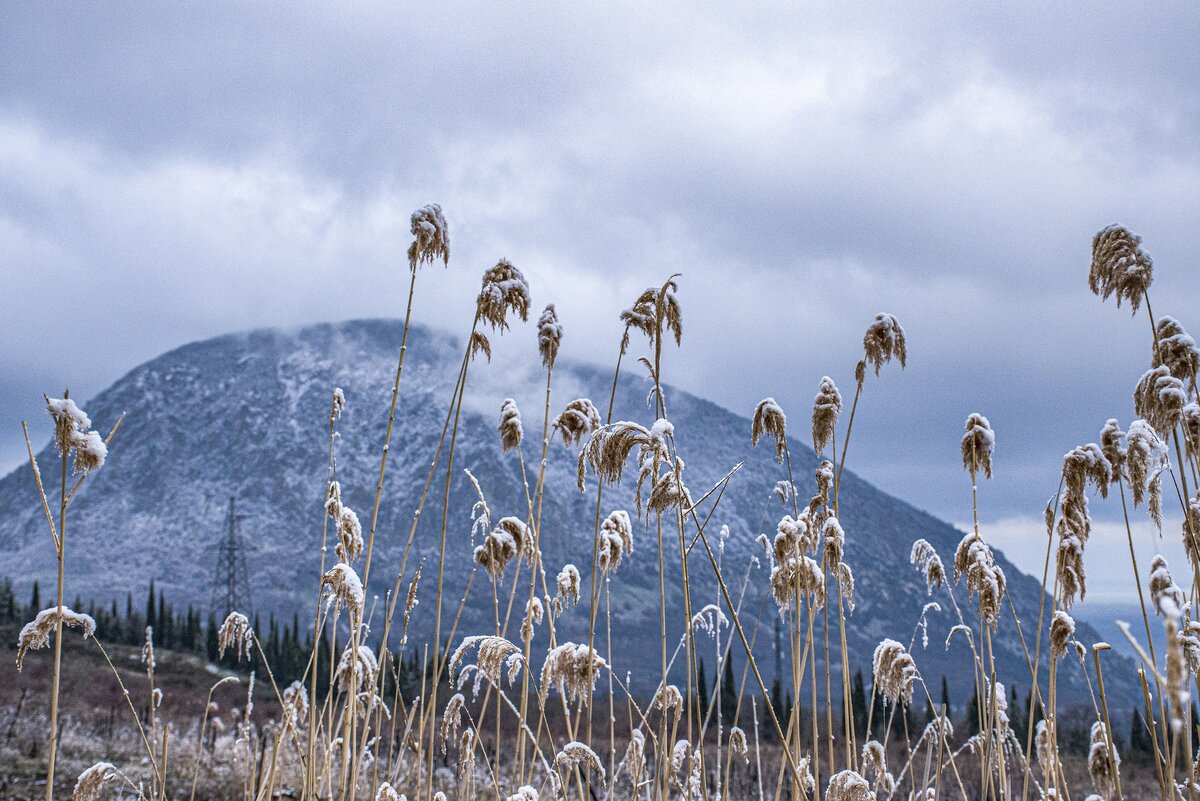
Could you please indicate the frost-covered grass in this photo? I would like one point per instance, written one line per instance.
(494, 717)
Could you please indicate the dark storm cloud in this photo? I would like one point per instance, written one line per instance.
(168, 173)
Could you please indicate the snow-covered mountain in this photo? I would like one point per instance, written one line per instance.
(246, 415)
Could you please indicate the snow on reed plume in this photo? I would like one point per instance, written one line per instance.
(847, 785)
(494, 653)
(452, 718)
(342, 586)
(738, 744)
(926, 559)
(1082, 466)
(1120, 267)
(90, 783)
(236, 633)
(1102, 761)
(511, 432)
(504, 289)
(1145, 461)
(510, 539)
(884, 341)
(388, 793)
(431, 237)
(616, 540)
(568, 586)
(579, 419)
(356, 668)
(1112, 444)
(827, 405)
(1062, 629)
(566, 667)
(1159, 397)
(1168, 597)
(874, 762)
(769, 419)
(985, 579)
(550, 333)
(894, 672)
(71, 433)
(576, 753)
(978, 443)
(35, 634)
(642, 316)
(1177, 350)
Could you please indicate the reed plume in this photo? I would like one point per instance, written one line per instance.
(1145, 461)
(344, 588)
(510, 539)
(72, 433)
(90, 783)
(236, 633)
(974, 559)
(1168, 596)
(1102, 762)
(827, 405)
(616, 540)
(847, 785)
(926, 559)
(1112, 445)
(1159, 398)
(504, 289)
(568, 667)
(894, 672)
(884, 341)
(579, 419)
(576, 753)
(1176, 350)
(431, 237)
(642, 316)
(1062, 629)
(550, 333)
(978, 443)
(35, 634)
(1120, 267)
(510, 429)
(769, 419)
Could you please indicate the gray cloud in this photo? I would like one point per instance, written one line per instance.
(174, 173)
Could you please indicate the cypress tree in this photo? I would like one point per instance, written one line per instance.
(702, 689)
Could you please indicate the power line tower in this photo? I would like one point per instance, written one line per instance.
(231, 583)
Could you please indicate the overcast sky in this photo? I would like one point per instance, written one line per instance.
(172, 172)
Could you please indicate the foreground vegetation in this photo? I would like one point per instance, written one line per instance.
(362, 711)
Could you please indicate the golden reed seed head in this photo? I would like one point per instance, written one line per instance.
(431, 237)
(669, 491)
(1177, 350)
(388, 793)
(1159, 397)
(884, 341)
(894, 671)
(1112, 443)
(511, 432)
(71, 432)
(847, 785)
(827, 405)
(350, 539)
(341, 585)
(337, 405)
(1145, 461)
(89, 784)
(1103, 764)
(36, 633)
(835, 541)
(1047, 750)
(510, 539)
(550, 333)
(568, 584)
(493, 654)
(985, 579)
(579, 419)
(504, 289)
(567, 668)
(524, 793)
(643, 315)
(769, 419)
(635, 754)
(608, 448)
(1062, 629)
(926, 559)
(236, 633)
(576, 753)
(738, 744)
(616, 540)
(978, 444)
(452, 718)
(1168, 597)
(1119, 266)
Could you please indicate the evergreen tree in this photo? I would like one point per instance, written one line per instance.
(212, 642)
(858, 703)
(972, 724)
(946, 698)
(35, 601)
(1139, 736)
(702, 689)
